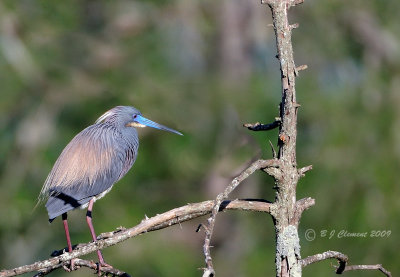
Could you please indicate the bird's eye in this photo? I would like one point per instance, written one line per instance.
(134, 117)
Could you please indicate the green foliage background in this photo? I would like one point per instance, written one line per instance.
(204, 68)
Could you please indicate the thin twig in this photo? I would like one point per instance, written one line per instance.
(369, 267)
(164, 220)
(273, 150)
(260, 164)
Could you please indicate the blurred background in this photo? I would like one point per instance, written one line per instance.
(204, 68)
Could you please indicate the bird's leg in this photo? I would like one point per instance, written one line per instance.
(94, 237)
(65, 222)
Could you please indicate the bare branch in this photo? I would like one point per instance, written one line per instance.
(85, 263)
(262, 127)
(305, 204)
(301, 206)
(300, 68)
(277, 2)
(260, 164)
(296, 2)
(208, 272)
(302, 171)
(294, 26)
(342, 259)
(369, 267)
(157, 222)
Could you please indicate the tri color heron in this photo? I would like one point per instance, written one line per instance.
(92, 163)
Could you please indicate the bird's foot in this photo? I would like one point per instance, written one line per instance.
(101, 265)
(106, 265)
(70, 267)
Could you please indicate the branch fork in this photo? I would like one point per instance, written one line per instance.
(257, 165)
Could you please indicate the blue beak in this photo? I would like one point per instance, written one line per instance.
(147, 122)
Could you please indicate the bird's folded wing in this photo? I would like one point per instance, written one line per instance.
(88, 166)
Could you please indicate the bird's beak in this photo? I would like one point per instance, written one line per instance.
(140, 120)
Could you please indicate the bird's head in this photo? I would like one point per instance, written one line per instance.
(131, 117)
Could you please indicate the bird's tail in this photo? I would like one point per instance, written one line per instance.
(43, 195)
(38, 201)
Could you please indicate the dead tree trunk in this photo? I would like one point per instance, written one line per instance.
(286, 212)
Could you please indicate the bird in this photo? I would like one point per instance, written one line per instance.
(92, 162)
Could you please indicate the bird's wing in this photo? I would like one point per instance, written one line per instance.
(89, 165)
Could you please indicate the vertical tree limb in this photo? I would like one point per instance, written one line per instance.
(284, 212)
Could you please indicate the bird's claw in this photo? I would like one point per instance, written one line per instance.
(101, 265)
(71, 266)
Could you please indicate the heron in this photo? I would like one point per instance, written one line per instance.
(92, 162)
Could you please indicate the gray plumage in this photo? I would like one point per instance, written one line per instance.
(92, 162)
